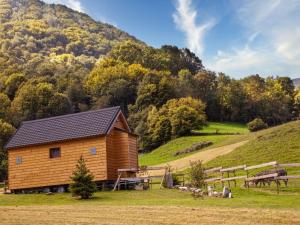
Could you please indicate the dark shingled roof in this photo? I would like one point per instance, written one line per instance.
(60, 128)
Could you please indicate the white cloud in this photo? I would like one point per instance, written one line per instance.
(73, 4)
(275, 22)
(278, 22)
(236, 61)
(185, 19)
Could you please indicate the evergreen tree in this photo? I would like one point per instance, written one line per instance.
(83, 185)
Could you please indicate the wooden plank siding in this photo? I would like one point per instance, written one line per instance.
(117, 152)
(133, 151)
(122, 150)
(38, 169)
(119, 124)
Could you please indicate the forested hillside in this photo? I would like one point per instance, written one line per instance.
(55, 61)
(33, 33)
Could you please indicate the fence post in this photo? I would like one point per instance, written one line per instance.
(234, 180)
(246, 182)
(277, 181)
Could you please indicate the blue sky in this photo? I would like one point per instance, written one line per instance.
(236, 37)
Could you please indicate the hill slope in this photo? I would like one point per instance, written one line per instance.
(165, 153)
(31, 30)
(296, 81)
(281, 143)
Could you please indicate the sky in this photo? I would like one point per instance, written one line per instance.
(237, 37)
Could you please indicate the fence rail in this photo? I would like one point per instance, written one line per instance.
(262, 178)
(261, 165)
(233, 178)
(233, 168)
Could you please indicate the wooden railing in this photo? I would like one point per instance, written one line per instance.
(220, 172)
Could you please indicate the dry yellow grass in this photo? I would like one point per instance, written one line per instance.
(85, 214)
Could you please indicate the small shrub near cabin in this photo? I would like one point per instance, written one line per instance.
(83, 184)
(257, 124)
(197, 175)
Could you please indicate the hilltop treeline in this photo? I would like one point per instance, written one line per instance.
(138, 78)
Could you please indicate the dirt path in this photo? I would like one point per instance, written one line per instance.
(86, 214)
(205, 156)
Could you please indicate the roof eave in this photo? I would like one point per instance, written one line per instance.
(54, 142)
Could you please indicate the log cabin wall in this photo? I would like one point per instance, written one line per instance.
(37, 169)
(119, 124)
(121, 149)
(133, 151)
(117, 152)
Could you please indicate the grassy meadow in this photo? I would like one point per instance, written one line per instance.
(280, 143)
(140, 215)
(266, 197)
(156, 206)
(224, 128)
(218, 133)
(170, 206)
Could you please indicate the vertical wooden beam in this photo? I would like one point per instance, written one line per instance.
(277, 181)
(228, 180)
(234, 180)
(247, 182)
(117, 182)
(162, 180)
(277, 186)
(222, 179)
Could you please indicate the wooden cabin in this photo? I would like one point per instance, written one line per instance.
(44, 152)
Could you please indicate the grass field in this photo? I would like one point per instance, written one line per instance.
(156, 206)
(166, 206)
(165, 152)
(289, 198)
(140, 215)
(281, 143)
(224, 128)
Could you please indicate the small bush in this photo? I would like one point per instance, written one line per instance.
(197, 175)
(83, 184)
(194, 147)
(257, 124)
(176, 180)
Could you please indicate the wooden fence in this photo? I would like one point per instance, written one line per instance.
(232, 177)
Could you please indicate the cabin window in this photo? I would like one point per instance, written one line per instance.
(19, 160)
(54, 152)
(93, 151)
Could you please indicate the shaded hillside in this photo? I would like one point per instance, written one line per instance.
(32, 31)
(280, 143)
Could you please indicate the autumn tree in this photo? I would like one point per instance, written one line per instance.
(155, 89)
(296, 106)
(5, 104)
(176, 118)
(38, 100)
(13, 83)
(114, 81)
(277, 102)
(254, 88)
(6, 131)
